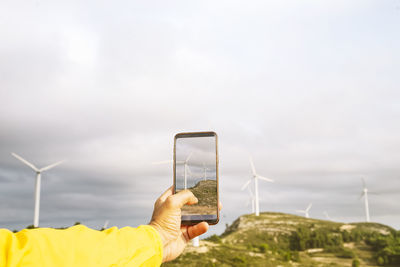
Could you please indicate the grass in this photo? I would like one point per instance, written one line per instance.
(269, 240)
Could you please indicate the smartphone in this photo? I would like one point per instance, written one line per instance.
(196, 169)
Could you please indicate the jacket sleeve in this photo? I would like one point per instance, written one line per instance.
(81, 246)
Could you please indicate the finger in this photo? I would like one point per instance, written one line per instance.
(196, 230)
(219, 205)
(166, 194)
(182, 198)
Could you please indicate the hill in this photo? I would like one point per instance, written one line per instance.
(278, 239)
(206, 193)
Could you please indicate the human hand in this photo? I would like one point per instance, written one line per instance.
(166, 220)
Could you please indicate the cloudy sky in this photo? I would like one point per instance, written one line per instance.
(309, 89)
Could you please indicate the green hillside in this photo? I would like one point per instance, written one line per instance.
(277, 239)
(206, 193)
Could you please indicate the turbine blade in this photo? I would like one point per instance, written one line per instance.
(25, 162)
(51, 166)
(253, 169)
(245, 185)
(265, 179)
(188, 158)
(162, 162)
(362, 194)
(301, 211)
(309, 207)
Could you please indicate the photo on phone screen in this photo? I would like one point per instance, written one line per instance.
(196, 169)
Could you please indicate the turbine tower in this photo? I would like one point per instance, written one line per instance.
(186, 168)
(37, 186)
(364, 194)
(205, 171)
(255, 177)
(306, 211)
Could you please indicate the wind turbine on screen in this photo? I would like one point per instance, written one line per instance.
(186, 168)
(306, 211)
(205, 171)
(364, 194)
(37, 186)
(255, 178)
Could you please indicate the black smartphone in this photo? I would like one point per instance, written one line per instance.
(196, 169)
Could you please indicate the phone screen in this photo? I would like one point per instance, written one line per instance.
(196, 169)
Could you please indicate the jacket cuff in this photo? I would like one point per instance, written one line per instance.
(157, 237)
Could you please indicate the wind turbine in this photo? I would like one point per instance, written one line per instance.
(196, 241)
(205, 171)
(306, 210)
(364, 194)
(186, 168)
(37, 186)
(255, 177)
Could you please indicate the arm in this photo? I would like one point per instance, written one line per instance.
(163, 240)
(81, 246)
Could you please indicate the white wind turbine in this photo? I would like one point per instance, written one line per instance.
(205, 171)
(306, 210)
(186, 168)
(37, 186)
(364, 194)
(255, 178)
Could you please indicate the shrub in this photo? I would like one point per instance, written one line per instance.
(340, 252)
(295, 256)
(263, 248)
(214, 238)
(380, 261)
(355, 263)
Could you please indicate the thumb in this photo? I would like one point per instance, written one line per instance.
(182, 198)
(196, 230)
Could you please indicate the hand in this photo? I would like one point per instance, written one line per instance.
(166, 220)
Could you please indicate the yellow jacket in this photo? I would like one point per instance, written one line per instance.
(81, 246)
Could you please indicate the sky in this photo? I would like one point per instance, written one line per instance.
(309, 89)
